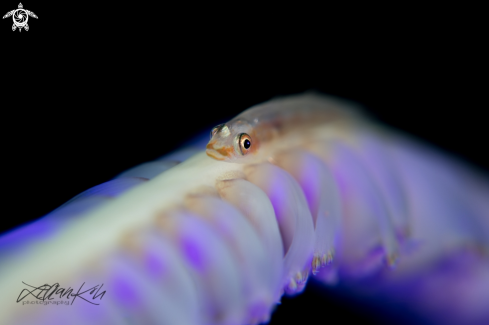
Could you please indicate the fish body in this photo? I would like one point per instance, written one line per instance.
(266, 126)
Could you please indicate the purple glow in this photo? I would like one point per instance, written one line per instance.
(277, 196)
(340, 182)
(91, 313)
(33, 232)
(124, 290)
(155, 264)
(193, 253)
(310, 182)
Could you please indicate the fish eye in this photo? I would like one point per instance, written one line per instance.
(215, 129)
(244, 142)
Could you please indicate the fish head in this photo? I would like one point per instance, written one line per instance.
(234, 141)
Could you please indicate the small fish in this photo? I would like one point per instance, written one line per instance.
(253, 135)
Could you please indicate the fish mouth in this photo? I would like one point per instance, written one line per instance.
(214, 154)
(220, 153)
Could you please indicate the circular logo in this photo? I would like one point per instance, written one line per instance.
(20, 17)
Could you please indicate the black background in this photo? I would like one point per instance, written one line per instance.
(94, 89)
